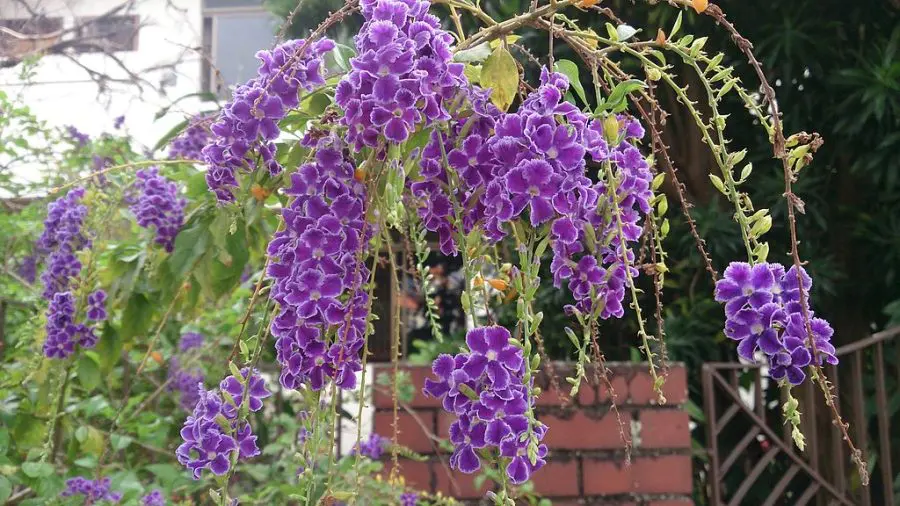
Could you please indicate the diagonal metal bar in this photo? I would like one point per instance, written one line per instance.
(773, 437)
(761, 465)
(726, 417)
(808, 494)
(778, 490)
(739, 450)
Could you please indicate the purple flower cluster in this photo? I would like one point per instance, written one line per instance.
(402, 75)
(77, 137)
(27, 268)
(155, 203)
(63, 238)
(484, 388)
(534, 160)
(215, 432)
(154, 498)
(189, 341)
(319, 273)
(94, 491)
(763, 312)
(190, 143)
(373, 447)
(409, 499)
(248, 125)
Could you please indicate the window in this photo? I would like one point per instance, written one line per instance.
(233, 31)
(108, 33)
(19, 37)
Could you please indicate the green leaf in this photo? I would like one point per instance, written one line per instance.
(4, 440)
(137, 317)
(88, 372)
(569, 69)
(120, 442)
(475, 54)
(5, 489)
(171, 134)
(473, 73)
(37, 469)
(676, 26)
(616, 102)
(501, 75)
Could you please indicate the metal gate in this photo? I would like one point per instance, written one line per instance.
(752, 460)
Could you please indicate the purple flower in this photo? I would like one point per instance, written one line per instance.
(155, 203)
(373, 447)
(118, 122)
(763, 313)
(256, 392)
(249, 123)
(189, 341)
(94, 491)
(214, 433)
(534, 183)
(409, 499)
(318, 269)
(77, 137)
(97, 306)
(485, 389)
(189, 144)
(154, 498)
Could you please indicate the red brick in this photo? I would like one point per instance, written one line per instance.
(553, 397)
(666, 474)
(415, 474)
(675, 388)
(668, 502)
(414, 432)
(640, 389)
(664, 428)
(620, 388)
(606, 477)
(464, 487)
(558, 478)
(581, 432)
(417, 376)
(445, 420)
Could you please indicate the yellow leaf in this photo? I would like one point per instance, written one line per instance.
(660, 37)
(699, 5)
(584, 4)
(501, 75)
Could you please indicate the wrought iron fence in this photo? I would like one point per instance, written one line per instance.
(752, 459)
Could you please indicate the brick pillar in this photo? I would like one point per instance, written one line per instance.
(586, 460)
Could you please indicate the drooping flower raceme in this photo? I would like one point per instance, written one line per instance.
(763, 313)
(402, 74)
(248, 125)
(190, 143)
(94, 491)
(485, 389)
(215, 431)
(155, 203)
(319, 273)
(63, 237)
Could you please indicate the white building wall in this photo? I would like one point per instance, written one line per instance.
(63, 94)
